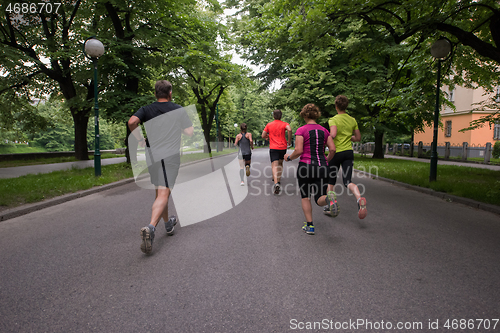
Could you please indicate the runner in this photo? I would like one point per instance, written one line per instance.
(163, 155)
(245, 142)
(275, 132)
(312, 173)
(344, 129)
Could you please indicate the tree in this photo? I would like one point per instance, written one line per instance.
(42, 53)
(472, 26)
(319, 60)
(205, 68)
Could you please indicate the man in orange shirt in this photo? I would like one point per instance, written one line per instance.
(275, 132)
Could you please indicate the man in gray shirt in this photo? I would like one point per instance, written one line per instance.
(164, 121)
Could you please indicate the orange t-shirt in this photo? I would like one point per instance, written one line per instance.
(276, 130)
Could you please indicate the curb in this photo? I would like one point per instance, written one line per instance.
(29, 208)
(448, 197)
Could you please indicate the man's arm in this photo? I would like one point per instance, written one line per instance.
(133, 123)
(188, 131)
(265, 135)
(289, 129)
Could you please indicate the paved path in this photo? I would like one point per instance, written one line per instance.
(415, 259)
(14, 172)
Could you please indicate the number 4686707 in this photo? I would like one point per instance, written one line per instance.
(33, 8)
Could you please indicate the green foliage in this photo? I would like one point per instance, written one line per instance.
(496, 150)
(375, 52)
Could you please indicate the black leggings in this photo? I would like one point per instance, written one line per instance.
(344, 159)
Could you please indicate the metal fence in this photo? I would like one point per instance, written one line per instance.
(421, 149)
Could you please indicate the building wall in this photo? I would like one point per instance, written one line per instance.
(463, 99)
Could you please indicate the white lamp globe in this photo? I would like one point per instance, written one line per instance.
(94, 48)
(441, 48)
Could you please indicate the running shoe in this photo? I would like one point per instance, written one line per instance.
(248, 169)
(308, 229)
(242, 183)
(332, 207)
(277, 188)
(147, 235)
(170, 224)
(362, 212)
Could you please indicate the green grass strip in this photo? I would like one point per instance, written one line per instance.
(34, 188)
(474, 183)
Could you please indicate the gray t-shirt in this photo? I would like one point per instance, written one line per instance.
(164, 123)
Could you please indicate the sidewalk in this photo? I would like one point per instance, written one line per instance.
(444, 162)
(15, 172)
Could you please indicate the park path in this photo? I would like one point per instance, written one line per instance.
(415, 260)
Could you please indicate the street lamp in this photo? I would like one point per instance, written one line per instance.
(217, 121)
(93, 49)
(440, 50)
(235, 131)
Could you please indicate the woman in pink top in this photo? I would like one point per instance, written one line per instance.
(312, 173)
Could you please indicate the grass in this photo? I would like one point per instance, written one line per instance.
(474, 183)
(494, 161)
(49, 160)
(19, 149)
(33, 188)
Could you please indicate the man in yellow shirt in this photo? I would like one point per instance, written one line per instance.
(344, 129)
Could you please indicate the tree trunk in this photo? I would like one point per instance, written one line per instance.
(206, 134)
(379, 150)
(81, 121)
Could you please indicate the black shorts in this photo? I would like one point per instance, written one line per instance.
(313, 180)
(245, 157)
(344, 159)
(277, 154)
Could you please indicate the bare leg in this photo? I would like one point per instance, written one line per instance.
(322, 201)
(355, 190)
(280, 169)
(307, 209)
(362, 212)
(274, 166)
(160, 206)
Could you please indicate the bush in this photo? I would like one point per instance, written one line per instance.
(496, 150)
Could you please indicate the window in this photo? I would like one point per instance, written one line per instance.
(447, 128)
(496, 131)
(451, 95)
(497, 95)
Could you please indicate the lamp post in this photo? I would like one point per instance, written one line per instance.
(235, 131)
(217, 122)
(93, 49)
(440, 50)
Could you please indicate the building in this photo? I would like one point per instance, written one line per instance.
(453, 121)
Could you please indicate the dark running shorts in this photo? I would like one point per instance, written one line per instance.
(313, 180)
(245, 157)
(277, 154)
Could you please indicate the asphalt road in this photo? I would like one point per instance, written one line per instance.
(416, 259)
